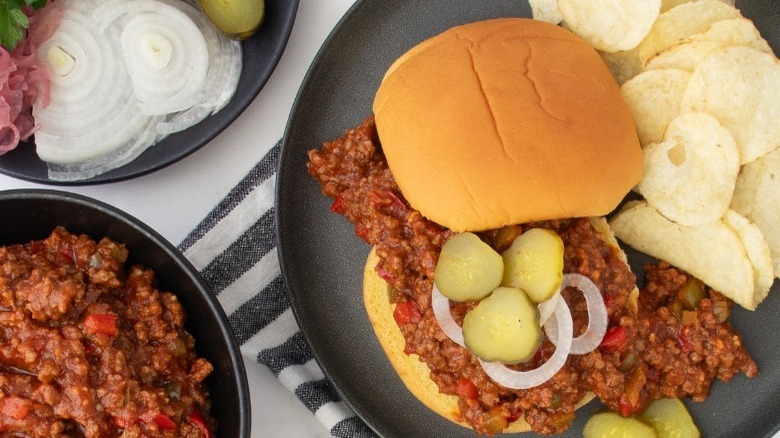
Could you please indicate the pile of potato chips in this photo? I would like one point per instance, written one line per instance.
(704, 89)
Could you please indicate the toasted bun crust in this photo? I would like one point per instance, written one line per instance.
(506, 121)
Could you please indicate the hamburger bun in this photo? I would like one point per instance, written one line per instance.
(506, 121)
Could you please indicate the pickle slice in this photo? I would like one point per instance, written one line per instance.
(468, 268)
(504, 327)
(614, 425)
(671, 419)
(534, 263)
(236, 18)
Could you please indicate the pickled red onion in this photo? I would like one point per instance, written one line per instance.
(24, 79)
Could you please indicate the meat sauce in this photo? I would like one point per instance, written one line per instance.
(89, 346)
(651, 349)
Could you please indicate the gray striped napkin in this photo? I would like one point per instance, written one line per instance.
(234, 248)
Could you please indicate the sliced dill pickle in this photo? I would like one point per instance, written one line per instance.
(504, 327)
(236, 18)
(671, 419)
(534, 263)
(614, 425)
(468, 268)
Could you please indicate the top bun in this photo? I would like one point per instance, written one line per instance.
(506, 121)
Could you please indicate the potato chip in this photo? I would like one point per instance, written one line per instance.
(712, 252)
(690, 176)
(654, 99)
(623, 65)
(610, 25)
(681, 22)
(689, 52)
(685, 55)
(757, 251)
(734, 31)
(669, 4)
(740, 86)
(757, 197)
(546, 10)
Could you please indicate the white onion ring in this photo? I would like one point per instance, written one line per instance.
(176, 86)
(111, 106)
(547, 308)
(441, 309)
(509, 378)
(591, 338)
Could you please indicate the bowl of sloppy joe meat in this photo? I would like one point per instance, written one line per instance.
(106, 330)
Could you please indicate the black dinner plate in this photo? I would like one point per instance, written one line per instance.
(322, 259)
(261, 54)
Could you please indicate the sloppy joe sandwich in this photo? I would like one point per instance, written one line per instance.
(524, 123)
(495, 286)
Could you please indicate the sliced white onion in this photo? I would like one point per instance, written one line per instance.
(225, 64)
(176, 85)
(547, 308)
(591, 338)
(129, 150)
(441, 309)
(137, 71)
(92, 117)
(509, 378)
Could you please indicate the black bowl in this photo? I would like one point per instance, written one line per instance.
(32, 214)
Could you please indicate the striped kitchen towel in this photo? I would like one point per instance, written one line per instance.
(234, 248)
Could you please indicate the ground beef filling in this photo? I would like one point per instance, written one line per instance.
(652, 349)
(89, 346)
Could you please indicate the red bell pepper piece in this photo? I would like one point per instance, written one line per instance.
(102, 323)
(406, 312)
(338, 204)
(164, 422)
(467, 389)
(197, 419)
(684, 343)
(614, 339)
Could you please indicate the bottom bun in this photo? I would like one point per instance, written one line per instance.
(413, 372)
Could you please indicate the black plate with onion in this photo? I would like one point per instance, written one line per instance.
(261, 54)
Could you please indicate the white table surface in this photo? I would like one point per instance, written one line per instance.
(211, 172)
